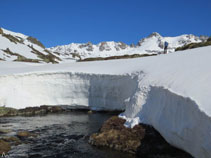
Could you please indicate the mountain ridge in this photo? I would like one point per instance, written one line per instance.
(152, 44)
(19, 47)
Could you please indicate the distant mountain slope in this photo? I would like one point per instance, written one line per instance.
(153, 44)
(19, 47)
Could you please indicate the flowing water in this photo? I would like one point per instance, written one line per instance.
(59, 136)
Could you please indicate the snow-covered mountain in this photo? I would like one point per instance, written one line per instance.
(19, 47)
(153, 44)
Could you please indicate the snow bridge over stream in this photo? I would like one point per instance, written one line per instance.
(170, 92)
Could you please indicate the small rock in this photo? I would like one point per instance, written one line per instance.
(4, 147)
(90, 112)
(25, 134)
(5, 131)
(12, 140)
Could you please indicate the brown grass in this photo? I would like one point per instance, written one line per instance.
(35, 41)
(115, 135)
(12, 38)
(194, 45)
(20, 57)
(1, 31)
(117, 57)
(50, 58)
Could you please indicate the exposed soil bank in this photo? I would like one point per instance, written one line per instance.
(30, 111)
(44, 110)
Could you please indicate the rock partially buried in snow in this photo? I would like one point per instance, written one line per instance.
(113, 134)
(142, 140)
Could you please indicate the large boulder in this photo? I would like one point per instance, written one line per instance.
(142, 140)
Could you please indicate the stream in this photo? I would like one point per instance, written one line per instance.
(62, 135)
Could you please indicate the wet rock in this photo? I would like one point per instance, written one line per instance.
(4, 147)
(30, 111)
(5, 131)
(5, 111)
(12, 140)
(25, 134)
(6, 125)
(115, 135)
(142, 140)
(90, 112)
(6, 142)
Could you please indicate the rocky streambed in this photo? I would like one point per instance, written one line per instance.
(49, 131)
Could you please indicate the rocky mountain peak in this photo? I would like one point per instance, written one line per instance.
(154, 34)
(104, 46)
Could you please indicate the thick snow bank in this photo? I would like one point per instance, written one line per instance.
(177, 118)
(99, 92)
(170, 92)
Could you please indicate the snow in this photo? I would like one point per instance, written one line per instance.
(25, 51)
(21, 48)
(152, 44)
(170, 92)
(14, 33)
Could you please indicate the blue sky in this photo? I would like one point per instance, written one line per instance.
(57, 22)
